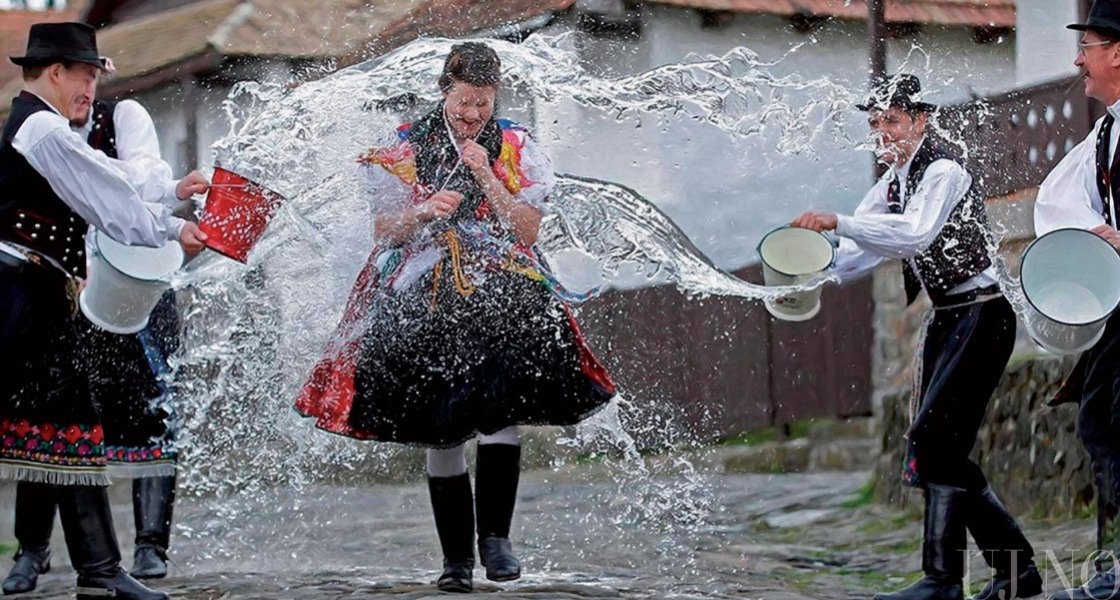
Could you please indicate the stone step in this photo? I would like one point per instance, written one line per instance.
(800, 456)
(858, 428)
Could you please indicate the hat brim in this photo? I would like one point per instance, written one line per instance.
(35, 61)
(913, 107)
(1109, 31)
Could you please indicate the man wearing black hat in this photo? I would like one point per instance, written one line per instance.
(926, 212)
(125, 378)
(1081, 192)
(55, 185)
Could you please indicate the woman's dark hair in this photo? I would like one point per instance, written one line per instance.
(473, 63)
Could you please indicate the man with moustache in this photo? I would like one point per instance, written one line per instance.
(1081, 193)
(926, 212)
(54, 187)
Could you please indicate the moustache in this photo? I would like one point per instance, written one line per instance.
(1080, 78)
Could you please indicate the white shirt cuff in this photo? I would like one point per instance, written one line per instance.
(169, 192)
(175, 228)
(843, 226)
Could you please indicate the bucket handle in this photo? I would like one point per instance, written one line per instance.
(833, 239)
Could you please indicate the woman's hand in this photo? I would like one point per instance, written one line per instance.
(439, 207)
(476, 158)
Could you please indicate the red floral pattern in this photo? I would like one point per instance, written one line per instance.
(54, 444)
(122, 454)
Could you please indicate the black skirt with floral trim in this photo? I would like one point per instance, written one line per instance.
(438, 368)
(50, 430)
(128, 382)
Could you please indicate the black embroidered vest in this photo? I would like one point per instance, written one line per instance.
(960, 250)
(1107, 175)
(103, 134)
(31, 214)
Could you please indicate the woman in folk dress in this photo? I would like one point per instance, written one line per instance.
(456, 327)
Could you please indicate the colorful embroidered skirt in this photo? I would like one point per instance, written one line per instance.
(50, 431)
(127, 380)
(437, 369)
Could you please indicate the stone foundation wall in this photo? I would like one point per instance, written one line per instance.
(1029, 451)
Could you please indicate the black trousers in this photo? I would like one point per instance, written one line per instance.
(966, 350)
(1098, 426)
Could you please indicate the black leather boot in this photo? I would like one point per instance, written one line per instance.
(1005, 549)
(942, 548)
(453, 508)
(1105, 584)
(34, 522)
(87, 523)
(496, 478)
(153, 499)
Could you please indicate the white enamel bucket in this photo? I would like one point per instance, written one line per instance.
(1071, 280)
(125, 283)
(795, 256)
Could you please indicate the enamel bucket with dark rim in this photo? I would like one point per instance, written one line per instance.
(1071, 281)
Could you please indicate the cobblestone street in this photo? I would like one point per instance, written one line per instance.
(780, 537)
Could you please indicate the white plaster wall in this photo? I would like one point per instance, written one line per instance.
(1045, 49)
(166, 106)
(726, 195)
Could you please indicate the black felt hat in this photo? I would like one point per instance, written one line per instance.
(1104, 18)
(901, 91)
(49, 43)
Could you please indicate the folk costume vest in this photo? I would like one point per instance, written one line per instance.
(1108, 175)
(960, 250)
(31, 214)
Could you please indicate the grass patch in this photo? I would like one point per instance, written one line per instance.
(8, 547)
(863, 497)
(1041, 513)
(874, 580)
(804, 581)
(906, 547)
(893, 523)
(800, 580)
(1086, 512)
(794, 431)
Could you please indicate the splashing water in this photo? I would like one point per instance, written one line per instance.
(253, 332)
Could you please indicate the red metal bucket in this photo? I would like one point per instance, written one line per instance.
(237, 213)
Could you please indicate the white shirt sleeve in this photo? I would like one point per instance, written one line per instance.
(138, 148)
(536, 166)
(1069, 196)
(852, 261)
(86, 180)
(908, 234)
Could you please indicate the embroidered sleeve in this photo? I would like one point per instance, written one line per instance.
(387, 177)
(524, 168)
(536, 167)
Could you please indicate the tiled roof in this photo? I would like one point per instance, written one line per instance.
(349, 30)
(969, 13)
